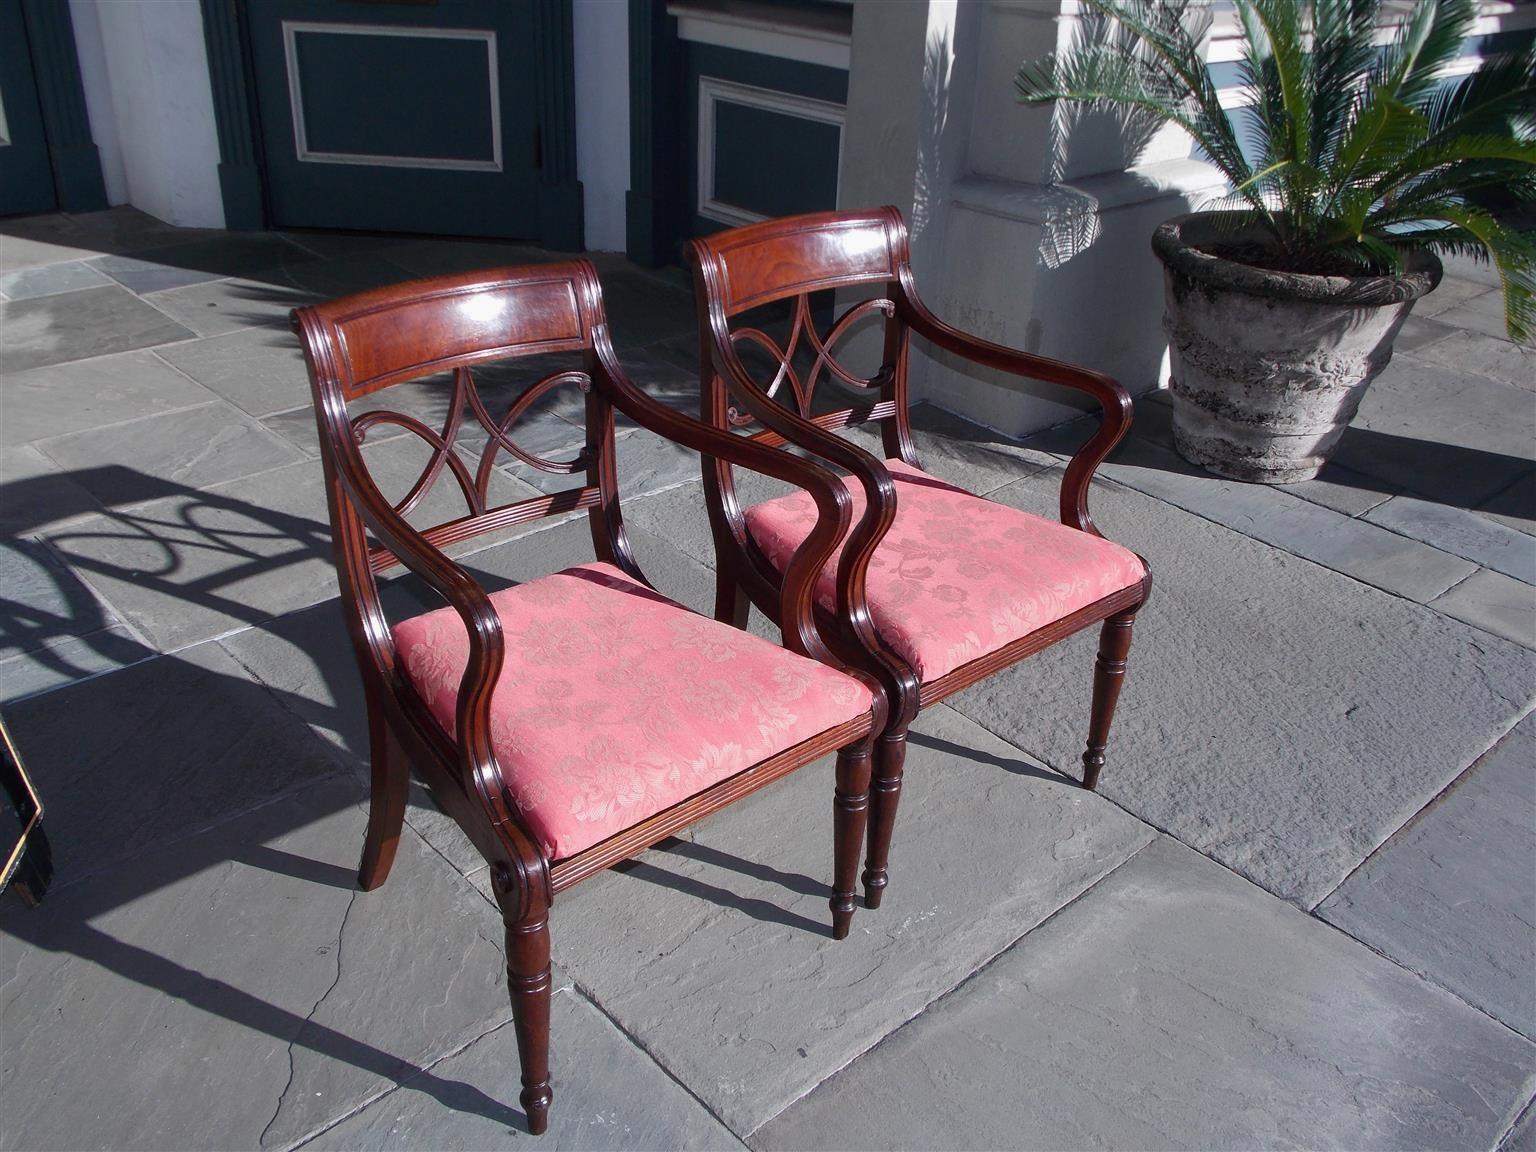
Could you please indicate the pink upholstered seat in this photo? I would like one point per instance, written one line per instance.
(616, 703)
(958, 576)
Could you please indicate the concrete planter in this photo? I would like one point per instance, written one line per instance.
(1269, 367)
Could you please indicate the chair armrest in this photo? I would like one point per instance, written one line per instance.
(797, 611)
(1110, 394)
(879, 513)
(456, 586)
(348, 477)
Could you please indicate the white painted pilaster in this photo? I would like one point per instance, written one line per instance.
(602, 118)
(145, 71)
(1031, 226)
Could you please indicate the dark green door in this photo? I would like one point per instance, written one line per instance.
(403, 117)
(26, 176)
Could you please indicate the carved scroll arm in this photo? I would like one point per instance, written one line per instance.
(1110, 394)
(833, 504)
(880, 511)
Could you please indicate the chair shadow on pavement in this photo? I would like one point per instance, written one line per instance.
(172, 765)
(209, 748)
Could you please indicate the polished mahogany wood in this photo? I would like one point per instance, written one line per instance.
(360, 345)
(1108, 675)
(745, 269)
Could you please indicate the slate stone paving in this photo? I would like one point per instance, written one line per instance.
(1299, 914)
(1174, 1006)
(1451, 894)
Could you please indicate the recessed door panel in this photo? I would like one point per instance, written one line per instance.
(395, 117)
(26, 174)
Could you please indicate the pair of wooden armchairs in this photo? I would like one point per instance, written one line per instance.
(572, 721)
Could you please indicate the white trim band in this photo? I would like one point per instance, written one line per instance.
(778, 38)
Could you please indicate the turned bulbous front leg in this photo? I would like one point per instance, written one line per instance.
(1108, 676)
(850, 811)
(529, 983)
(885, 795)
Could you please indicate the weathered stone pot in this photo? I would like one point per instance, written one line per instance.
(1269, 367)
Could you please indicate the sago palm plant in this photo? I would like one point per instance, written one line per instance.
(1363, 152)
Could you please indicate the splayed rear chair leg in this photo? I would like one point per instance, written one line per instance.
(386, 807)
(732, 605)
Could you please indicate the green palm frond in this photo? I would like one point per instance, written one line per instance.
(1343, 40)
(1499, 96)
(1474, 232)
(1362, 154)
(1431, 39)
(1272, 31)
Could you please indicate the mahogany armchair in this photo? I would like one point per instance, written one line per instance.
(569, 722)
(938, 587)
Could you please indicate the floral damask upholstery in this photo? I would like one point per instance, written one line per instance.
(957, 576)
(616, 703)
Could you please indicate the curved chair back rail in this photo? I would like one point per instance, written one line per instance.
(787, 261)
(454, 730)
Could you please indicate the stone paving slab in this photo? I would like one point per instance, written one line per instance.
(1497, 359)
(1450, 895)
(330, 245)
(35, 493)
(1277, 716)
(158, 752)
(442, 257)
(306, 657)
(1522, 1137)
(717, 955)
(1420, 332)
(1515, 507)
(1482, 313)
(1441, 431)
(1175, 1006)
(197, 564)
(1344, 491)
(1385, 559)
(27, 241)
(219, 307)
(78, 325)
(194, 447)
(646, 463)
(608, 1094)
(50, 280)
(1451, 292)
(152, 270)
(236, 991)
(1466, 534)
(93, 393)
(41, 600)
(961, 452)
(53, 629)
(69, 660)
(681, 516)
(260, 370)
(1496, 603)
(644, 307)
